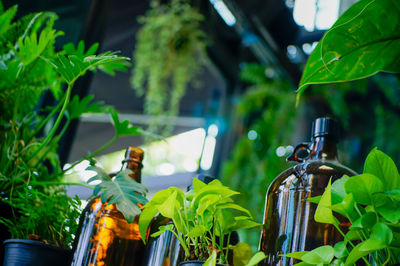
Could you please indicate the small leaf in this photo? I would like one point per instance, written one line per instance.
(363, 187)
(167, 209)
(76, 108)
(241, 254)
(212, 260)
(340, 250)
(145, 218)
(162, 229)
(259, 256)
(322, 255)
(123, 128)
(197, 231)
(296, 255)
(383, 167)
(324, 214)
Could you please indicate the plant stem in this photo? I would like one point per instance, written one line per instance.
(56, 124)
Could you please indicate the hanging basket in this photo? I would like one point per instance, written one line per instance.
(21, 252)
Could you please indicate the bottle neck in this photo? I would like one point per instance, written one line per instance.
(135, 166)
(323, 148)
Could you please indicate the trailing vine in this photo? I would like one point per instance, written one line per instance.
(169, 53)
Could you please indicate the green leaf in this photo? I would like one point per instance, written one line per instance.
(197, 231)
(259, 256)
(198, 184)
(324, 214)
(368, 220)
(363, 41)
(322, 255)
(124, 128)
(241, 254)
(145, 219)
(346, 207)
(363, 187)
(383, 167)
(212, 260)
(338, 190)
(6, 18)
(100, 174)
(387, 207)
(233, 206)
(340, 250)
(125, 192)
(167, 209)
(382, 232)
(296, 255)
(79, 51)
(162, 229)
(76, 108)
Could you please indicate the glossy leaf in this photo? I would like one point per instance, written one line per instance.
(346, 207)
(363, 187)
(296, 255)
(322, 255)
(363, 41)
(387, 207)
(197, 231)
(259, 256)
(338, 190)
(162, 229)
(241, 254)
(212, 260)
(324, 214)
(340, 250)
(167, 209)
(145, 219)
(383, 167)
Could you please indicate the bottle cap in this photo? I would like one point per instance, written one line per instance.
(325, 126)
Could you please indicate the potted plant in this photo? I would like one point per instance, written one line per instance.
(370, 202)
(203, 220)
(30, 171)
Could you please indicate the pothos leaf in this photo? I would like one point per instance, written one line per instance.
(76, 108)
(362, 42)
(122, 190)
(324, 214)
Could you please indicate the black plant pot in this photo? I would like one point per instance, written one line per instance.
(21, 252)
(196, 263)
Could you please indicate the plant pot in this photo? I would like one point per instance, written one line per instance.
(21, 252)
(196, 263)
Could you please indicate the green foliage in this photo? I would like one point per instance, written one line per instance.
(374, 215)
(169, 53)
(362, 42)
(30, 170)
(202, 217)
(56, 212)
(267, 108)
(122, 190)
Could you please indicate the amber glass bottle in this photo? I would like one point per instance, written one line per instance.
(104, 237)
(289, 224)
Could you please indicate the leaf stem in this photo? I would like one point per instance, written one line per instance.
(56, 124)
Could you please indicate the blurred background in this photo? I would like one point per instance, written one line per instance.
(234, 113)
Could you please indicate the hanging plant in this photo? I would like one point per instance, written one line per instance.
(170, 51)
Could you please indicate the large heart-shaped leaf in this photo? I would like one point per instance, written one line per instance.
(363, 187)
(383, 167)
(362, 42)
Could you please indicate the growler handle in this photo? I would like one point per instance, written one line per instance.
(300, 153)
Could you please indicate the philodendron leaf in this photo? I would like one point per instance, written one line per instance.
(162, 229)
(212, 260)
(125, 192)
(197, 231)
(383, 167)
(76, 108)
(167, 209)
(363, 41)
(241, 254)
(340, 250)
(319, 255)
(324, 214)
(363, 187)
(123, 128)
(296, 255)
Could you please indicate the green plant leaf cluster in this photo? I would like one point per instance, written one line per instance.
(124, 191)
(363, 41)
(169, 53)
(202, 218)
(30, 169)
(371, 203)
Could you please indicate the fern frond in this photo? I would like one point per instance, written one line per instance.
(6, 18)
